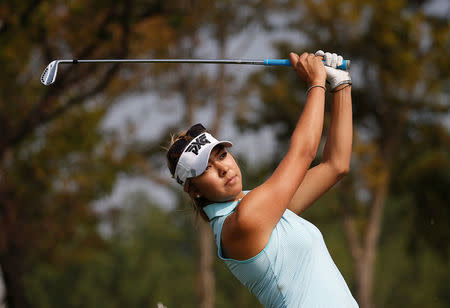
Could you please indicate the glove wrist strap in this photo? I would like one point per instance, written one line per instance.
(349, 83)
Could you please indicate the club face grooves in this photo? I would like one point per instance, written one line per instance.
(49, 74)
(44, 75)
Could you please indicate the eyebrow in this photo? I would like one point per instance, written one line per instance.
(216, 151)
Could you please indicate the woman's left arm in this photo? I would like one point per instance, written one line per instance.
(336, 156)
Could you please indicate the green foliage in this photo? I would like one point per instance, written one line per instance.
(424, 176)
(54, 158)
(150, 257)
(53, 176)
(147, 255)
(413, 277)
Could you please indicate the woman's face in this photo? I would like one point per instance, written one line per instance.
(222, 179)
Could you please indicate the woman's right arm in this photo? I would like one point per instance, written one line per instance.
(248, 229)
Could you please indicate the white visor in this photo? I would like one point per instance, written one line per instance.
(194, 159)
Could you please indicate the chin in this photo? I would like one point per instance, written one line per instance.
(237, 191)
(236, 188)
(231, 195)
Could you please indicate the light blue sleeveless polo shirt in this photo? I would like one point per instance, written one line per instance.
(295, 268)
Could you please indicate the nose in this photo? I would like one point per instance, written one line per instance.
(222, 168)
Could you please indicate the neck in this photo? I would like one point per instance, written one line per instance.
(202, 202)
(222, 208)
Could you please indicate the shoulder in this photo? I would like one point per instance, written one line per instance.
(239, 242)
(241, 239)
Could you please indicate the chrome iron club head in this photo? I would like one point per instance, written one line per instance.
(49, 74)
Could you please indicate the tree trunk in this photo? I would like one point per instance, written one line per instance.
(11, 254)
(206, 272)
(366, 273)
(364, 254)
(2, 290)
(12, 277)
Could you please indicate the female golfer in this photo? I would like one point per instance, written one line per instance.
(279, 256)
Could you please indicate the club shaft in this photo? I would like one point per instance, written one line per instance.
(268, 62)
(205, 61)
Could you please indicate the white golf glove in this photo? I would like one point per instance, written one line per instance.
(335, 76)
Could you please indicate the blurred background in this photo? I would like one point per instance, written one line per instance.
(89, 216)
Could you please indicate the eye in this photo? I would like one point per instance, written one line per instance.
(223, 154)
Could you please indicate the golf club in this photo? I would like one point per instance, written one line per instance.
(49, 75)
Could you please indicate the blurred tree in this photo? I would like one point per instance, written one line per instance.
(39, 154)
(151, 255)
(151, 258)
(424, 177)
(54, 160)
(399, 81)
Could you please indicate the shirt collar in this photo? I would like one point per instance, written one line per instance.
(221, 209)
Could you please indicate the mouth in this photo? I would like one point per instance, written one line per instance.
(231, 181)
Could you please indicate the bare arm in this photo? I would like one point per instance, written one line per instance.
(336, 155)
(248, 229)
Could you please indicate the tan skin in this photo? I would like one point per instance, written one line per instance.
(222, 179)
(247, 230)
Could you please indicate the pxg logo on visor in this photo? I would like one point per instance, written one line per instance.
(197, 144)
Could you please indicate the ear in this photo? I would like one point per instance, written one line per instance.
(192, 190)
